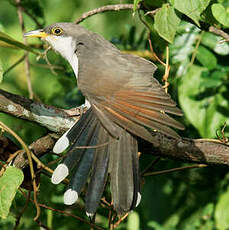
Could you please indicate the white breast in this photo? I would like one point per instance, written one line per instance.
(66, 47)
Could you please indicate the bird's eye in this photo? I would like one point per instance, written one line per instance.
(57, 31)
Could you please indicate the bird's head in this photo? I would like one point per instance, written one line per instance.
(61, 36)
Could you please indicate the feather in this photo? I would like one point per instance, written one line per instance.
(99, 174)
(82, 170)
(74, 154)
(68, 137)
(124, 173)
(136, 112)
(134, 124)
(108, 125)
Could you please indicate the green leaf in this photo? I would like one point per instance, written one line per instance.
(184, 43)
(183, 46)
(213, 42)
(14, 43)
(213, 80)
(133, 221)
(222, 210)
(1, 72)
(203, 109)
(206, 58)
(220, 14)
(154, 225)
(136, 5)
(192, 8)
(9, 183)
(166, 22)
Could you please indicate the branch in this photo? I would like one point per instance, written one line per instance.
(103, 9)
(219, 32)
(206, 151)
(54, 119)
(203, 151)
(118, 7)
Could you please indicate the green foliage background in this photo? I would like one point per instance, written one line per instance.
(190, 200)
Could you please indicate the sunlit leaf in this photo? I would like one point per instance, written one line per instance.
(222, 210)
(203, 109)
(220, 14)
(184, 42)
(14, 43)
(183, 46)
(133, 221)
(9, 183)
(213, 41)
(166, 22)
(192, 8)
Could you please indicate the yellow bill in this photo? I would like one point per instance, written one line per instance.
(36, 34)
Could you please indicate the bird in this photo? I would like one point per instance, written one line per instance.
(124, 102)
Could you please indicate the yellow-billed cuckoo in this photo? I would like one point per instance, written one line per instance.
(125, 102)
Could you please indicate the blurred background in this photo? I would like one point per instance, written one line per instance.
(199, 82)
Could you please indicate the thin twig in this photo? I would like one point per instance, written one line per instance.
(154, 54)
(196, 49)
(110, 217)
(14, 65)
(103, 9)
(143, 21)
(150, 165)
(167, 69)
(43, 166)
(27, 66)
(223, 139)
(120, 220)
(22, 211)
(152, 12)
(113, 217)
(33, 17)
(7, 129)
(18, 4)
(42, 226)
(64, 213)
(175, 170)
(40, 164)
(219, 32)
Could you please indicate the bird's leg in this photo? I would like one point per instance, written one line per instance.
(78, 111)
(84, 107)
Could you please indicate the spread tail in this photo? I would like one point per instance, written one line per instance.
(93, 154)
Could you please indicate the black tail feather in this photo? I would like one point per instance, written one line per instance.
(74, 133)
(81, 137)
(124, 179)
(99, 174)
(84, 165)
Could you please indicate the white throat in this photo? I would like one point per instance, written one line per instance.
(66, 47)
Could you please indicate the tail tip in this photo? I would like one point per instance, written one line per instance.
(59, 174)
(61, 145)
(70, 197)
(90, 215)
(138, 199)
